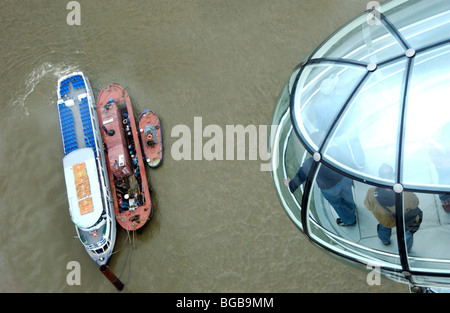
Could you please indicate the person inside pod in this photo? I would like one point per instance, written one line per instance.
(381, 202)
(335, 187)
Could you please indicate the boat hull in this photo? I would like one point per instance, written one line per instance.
(82, 144)
(130, 194)
(151, 138)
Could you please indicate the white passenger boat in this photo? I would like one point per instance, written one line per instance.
(86, 176)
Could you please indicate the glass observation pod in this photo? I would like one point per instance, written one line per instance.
(361, 151)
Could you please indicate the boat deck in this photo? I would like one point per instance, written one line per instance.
(130, 193)
(73, 107)
(87, 183)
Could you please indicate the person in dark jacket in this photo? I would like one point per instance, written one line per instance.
(335, 187)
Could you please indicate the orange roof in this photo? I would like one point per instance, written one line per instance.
(83, 188)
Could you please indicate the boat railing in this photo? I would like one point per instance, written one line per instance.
(102, 167)
(97, 245)
(100, 248)
(100, 156)
(106, 243)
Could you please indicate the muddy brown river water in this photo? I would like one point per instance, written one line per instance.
(218, 225)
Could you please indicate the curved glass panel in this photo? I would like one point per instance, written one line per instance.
(427, 124)
(283, 161)
(343, 215)
(293, 156)
(361, 40)
(427, 22)
(321, 93)
(333, 204)
(430, 251)
(296, 155)
(372, 101)
(377, 223)
(367, 133)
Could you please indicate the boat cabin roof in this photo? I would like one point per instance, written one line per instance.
(83, 188)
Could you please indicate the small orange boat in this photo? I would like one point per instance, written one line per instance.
(126, 167)
(151, 138)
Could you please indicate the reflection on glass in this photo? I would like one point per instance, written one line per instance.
(369, 127)
(324, 90)
(427, 141)
(296, 155)
(365, 134)
(326, 208)
(369, 42)
(381, 202)
(427, 23)
(431, 249)
(439, 150)
(337, 190)
(334, 187)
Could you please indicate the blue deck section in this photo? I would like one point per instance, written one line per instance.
(77, 83)
(74, 130)
(67, 128)
(87, 125)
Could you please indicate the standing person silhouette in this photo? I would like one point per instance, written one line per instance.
(335, 187)
(381, 202)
